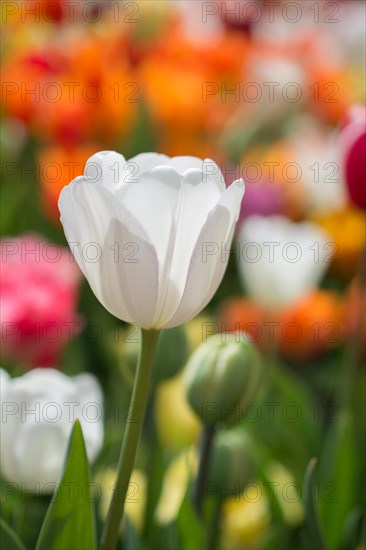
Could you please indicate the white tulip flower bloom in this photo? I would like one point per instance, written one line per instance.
(38, 411)
(281, 261)
(141, 230)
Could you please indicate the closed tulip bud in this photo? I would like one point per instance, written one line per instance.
(230, 466)
(222, 376)
(171, 354)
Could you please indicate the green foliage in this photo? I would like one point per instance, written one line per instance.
(69, 522)
(312, 524)
(190, 528)
(9, 540)
(337, 469)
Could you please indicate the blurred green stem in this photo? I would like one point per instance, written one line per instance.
(214, 531)
(206, 446)
(136, 413)
(353, 348)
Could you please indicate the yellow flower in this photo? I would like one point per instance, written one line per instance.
(198, 329)
(175, 484)
(244, 520)
(287, 492)
(347, 231)
(177, 425)
(135, 499)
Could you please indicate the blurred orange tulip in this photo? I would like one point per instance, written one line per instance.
(312, 326)
(58, 166)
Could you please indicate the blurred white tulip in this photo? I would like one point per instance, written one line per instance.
(281, 261)
(139, 231)
(38, 410)
(317, 154)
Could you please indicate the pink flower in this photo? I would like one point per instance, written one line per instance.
(262, 198)
(39, 292)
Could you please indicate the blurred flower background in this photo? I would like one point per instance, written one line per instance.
(273, 92)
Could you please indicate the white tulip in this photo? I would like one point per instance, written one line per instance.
(316, 154)
(281, 261)
(140, 231)
(38, 411)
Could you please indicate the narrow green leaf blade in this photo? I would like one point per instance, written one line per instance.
(311, 521)
(8, 538)
(70, 522)
(338, 470)
(190, 528)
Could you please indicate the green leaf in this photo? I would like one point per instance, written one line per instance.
(311, 521)
(130, 537)
(69, 522)
(190, 528)
(338, 477)
(290, 443)
(352, 533)
(8, 538)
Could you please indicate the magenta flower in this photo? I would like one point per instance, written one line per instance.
(262, 199)
(39, 293)
(353, 140)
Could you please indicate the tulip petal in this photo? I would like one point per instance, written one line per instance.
(106, 168)
(153, 202)
(137, 274)
(212, 169)
(207, 166)
(198, 196)
(145, 161)
(208, 263)
(91, 218)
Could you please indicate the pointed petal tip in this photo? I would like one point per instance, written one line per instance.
(240, 184)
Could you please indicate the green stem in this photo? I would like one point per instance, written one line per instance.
(214, 530)
(206, 447)
(140, 393)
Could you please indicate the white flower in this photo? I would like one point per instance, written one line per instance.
(316, 154)
(140, 230)
(38, 410)
(281, 261)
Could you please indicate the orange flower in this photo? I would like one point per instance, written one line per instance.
(311, 326)
(330, 92)
(174, 96)
(85, 90)
(58, 166)
(244, 316)
(187, 84)
(190, 143)
(223, 56)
